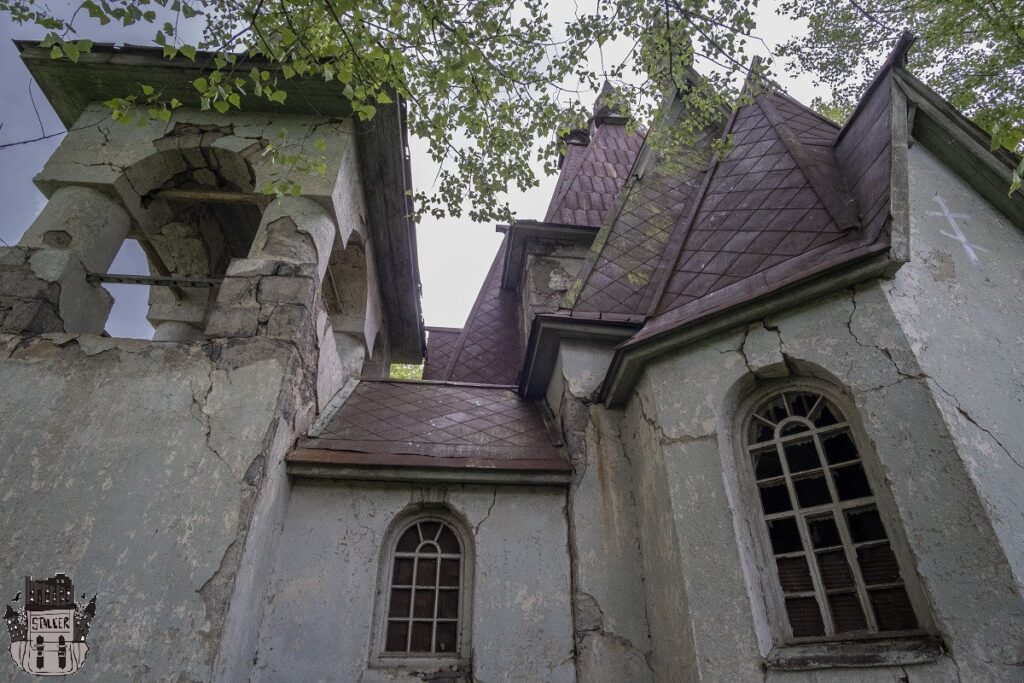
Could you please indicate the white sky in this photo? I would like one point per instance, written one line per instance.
(454, 254)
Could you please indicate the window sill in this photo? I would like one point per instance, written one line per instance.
(419, 663)
(855, 654)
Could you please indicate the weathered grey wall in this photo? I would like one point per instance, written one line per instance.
(964, 319)
(132, 467)
(319, 614)
(678, 430)
(612, 639)
(549, 269)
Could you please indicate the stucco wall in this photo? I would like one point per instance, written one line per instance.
(133, 467)
(678, 435)
(319, 615)
(962, 310)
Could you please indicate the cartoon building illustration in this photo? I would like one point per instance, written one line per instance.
(48, 636)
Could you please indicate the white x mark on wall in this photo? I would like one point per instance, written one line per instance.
(970, 249)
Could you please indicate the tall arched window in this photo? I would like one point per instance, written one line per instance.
(833, 558)
(425, 601)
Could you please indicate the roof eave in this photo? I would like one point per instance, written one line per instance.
(546, 335)
(632, 355)
(521, 231)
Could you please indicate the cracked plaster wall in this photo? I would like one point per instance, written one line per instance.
(549, 269)
(134, 467)
(964, 321)
(319, 614)
(700, 563)
(612, 639)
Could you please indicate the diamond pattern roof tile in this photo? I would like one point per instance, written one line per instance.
(441, 343)
(435, 424)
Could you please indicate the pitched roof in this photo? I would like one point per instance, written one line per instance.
(434, 424)
(440, 345)
(489, 350)
(625, 253)
(593, 174)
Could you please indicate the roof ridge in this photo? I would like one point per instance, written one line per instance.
(680, 233)
(839, 203)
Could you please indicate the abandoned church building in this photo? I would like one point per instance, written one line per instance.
(754, 416)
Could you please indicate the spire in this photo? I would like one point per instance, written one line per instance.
(605, 110)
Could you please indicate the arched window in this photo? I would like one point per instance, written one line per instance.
(834, 563)
(425, 602)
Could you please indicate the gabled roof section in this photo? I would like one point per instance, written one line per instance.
(594, 169)
(489, 350)
(432, 425)
(440, 346)
(623, 258)
(778, 196)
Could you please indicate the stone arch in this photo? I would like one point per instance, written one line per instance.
(196, 209)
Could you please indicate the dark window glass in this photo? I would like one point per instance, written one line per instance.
(824, 533)
(775, 498)
(426, 573)
(878, 564)
(766, 464)
(812, 491)
(825, 416)
(847, 612)
(400, 598)
(839, 447)
(449, 573)
(801, 456)
(429, 530)
(804, 617)
(794, 574)
(398, 636)
(759, 432)
(422, 636)
(865, 525)
(785, 536)
(446, 636)
(448, 604)
(402, 575)
(449, 544)
(851, 482)
(424, 604)
(409, 540)
(892, 609)
(835, 571)
(801, 403)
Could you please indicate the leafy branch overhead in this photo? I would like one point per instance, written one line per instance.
(494, 86)
(970, 51)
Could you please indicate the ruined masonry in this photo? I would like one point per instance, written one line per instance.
(748, 417)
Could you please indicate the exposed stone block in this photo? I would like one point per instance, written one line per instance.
(286, 290)
(233, 321)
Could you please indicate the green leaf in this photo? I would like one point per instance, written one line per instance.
(278, 96)
(234, 99)
(382, 98)
(148, 90)
(287, 70)
(201, 84)
(221, 106)
(175, 103)
(188, 51)
(56, 52)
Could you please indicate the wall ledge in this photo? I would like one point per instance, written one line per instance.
(851, 654)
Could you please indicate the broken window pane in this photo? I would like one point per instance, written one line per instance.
(785, 536)
(839, 447)
(837, 534)
(802, 455)
(775, 498)
(811, 491)
(851, 482)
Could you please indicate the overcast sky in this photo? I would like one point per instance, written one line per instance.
(454, 254)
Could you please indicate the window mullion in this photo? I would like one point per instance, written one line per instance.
(805, 537)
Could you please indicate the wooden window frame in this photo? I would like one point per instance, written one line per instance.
(767, 573)
(380, 657)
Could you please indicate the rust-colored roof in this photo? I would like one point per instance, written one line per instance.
(777, 209)
(625, 253)
(435, 424)
(440, 345)
(489, 350)
(592, 175)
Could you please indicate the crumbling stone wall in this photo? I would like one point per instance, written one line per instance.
(549, 269)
